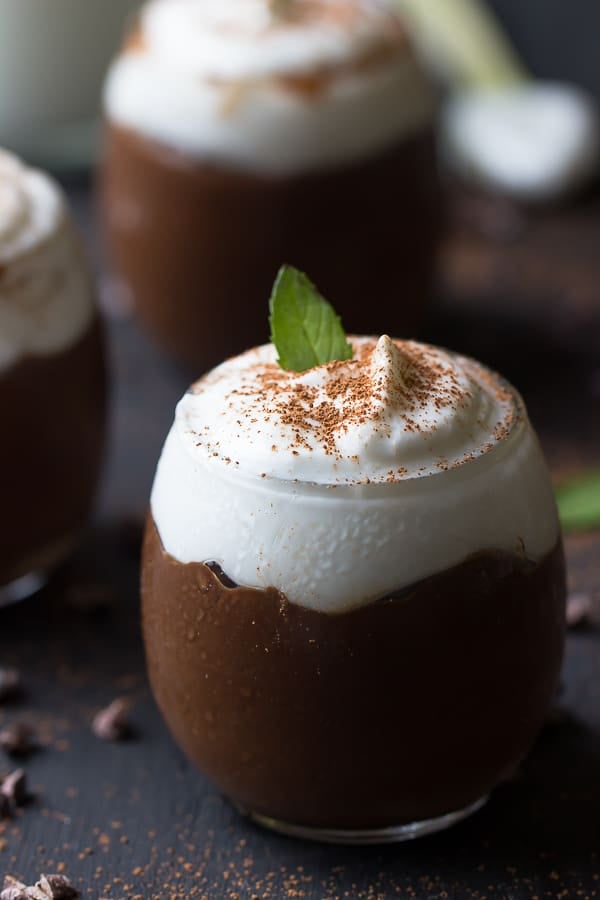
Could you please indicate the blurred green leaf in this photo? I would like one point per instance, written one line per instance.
(464, 41)
(579, 502)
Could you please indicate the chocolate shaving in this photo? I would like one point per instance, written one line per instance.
(59, 887)
(112, 723)
(35, 892)
(14, 789)
(13, 889)
(17, 738)
(49, 887)
(10, 684)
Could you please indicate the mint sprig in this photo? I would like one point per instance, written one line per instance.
(579, 502)
(305, 328)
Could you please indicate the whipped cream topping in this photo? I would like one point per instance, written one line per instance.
(46, 299)
(243, 39)
(354, 479)
(396, 410)
(324, 83)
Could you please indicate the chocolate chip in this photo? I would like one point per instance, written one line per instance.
(14, 788)
(57, 887)
(112, 723)
(10, 684)
(17, 738)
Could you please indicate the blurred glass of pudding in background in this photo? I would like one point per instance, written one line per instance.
(245, 133)
(52, 380)
(53, 58)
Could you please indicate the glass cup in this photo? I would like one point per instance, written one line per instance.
(339, 615)
(52, 381)
(218, 168)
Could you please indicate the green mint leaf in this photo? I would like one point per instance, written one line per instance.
(305, 328)
(579, 502)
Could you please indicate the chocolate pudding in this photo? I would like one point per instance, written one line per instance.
(307, 138)
(411, 707)
(59, 449)
(52, 381)
(345, 571)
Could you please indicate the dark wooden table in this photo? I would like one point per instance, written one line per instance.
(134, 820)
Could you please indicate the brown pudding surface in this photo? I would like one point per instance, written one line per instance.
(200, 243)
(411, 707)
(53, 423)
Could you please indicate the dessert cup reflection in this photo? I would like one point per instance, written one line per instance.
(52, 381)
(353, 588)
(237, 138)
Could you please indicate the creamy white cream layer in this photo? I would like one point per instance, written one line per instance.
(227, 81)
(46, 297)
(354, 479)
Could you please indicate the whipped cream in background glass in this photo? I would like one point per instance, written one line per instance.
(53, 58)
(354, 479)
(52, 380)
(238, 137)
(46, 293)
(231, 81)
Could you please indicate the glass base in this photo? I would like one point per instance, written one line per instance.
(391, 835)
(22, 588)
(39, 566)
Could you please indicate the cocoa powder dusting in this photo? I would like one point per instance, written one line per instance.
(357, 396)
(388, 385)
(390, 42)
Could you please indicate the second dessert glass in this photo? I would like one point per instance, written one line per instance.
(244, 133)
(52, 381)
(353, 588)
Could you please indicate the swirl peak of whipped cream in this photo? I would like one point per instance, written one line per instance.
(46, 298)
(31, 208)
(342, 484)
(396, 410)
(227, 80)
